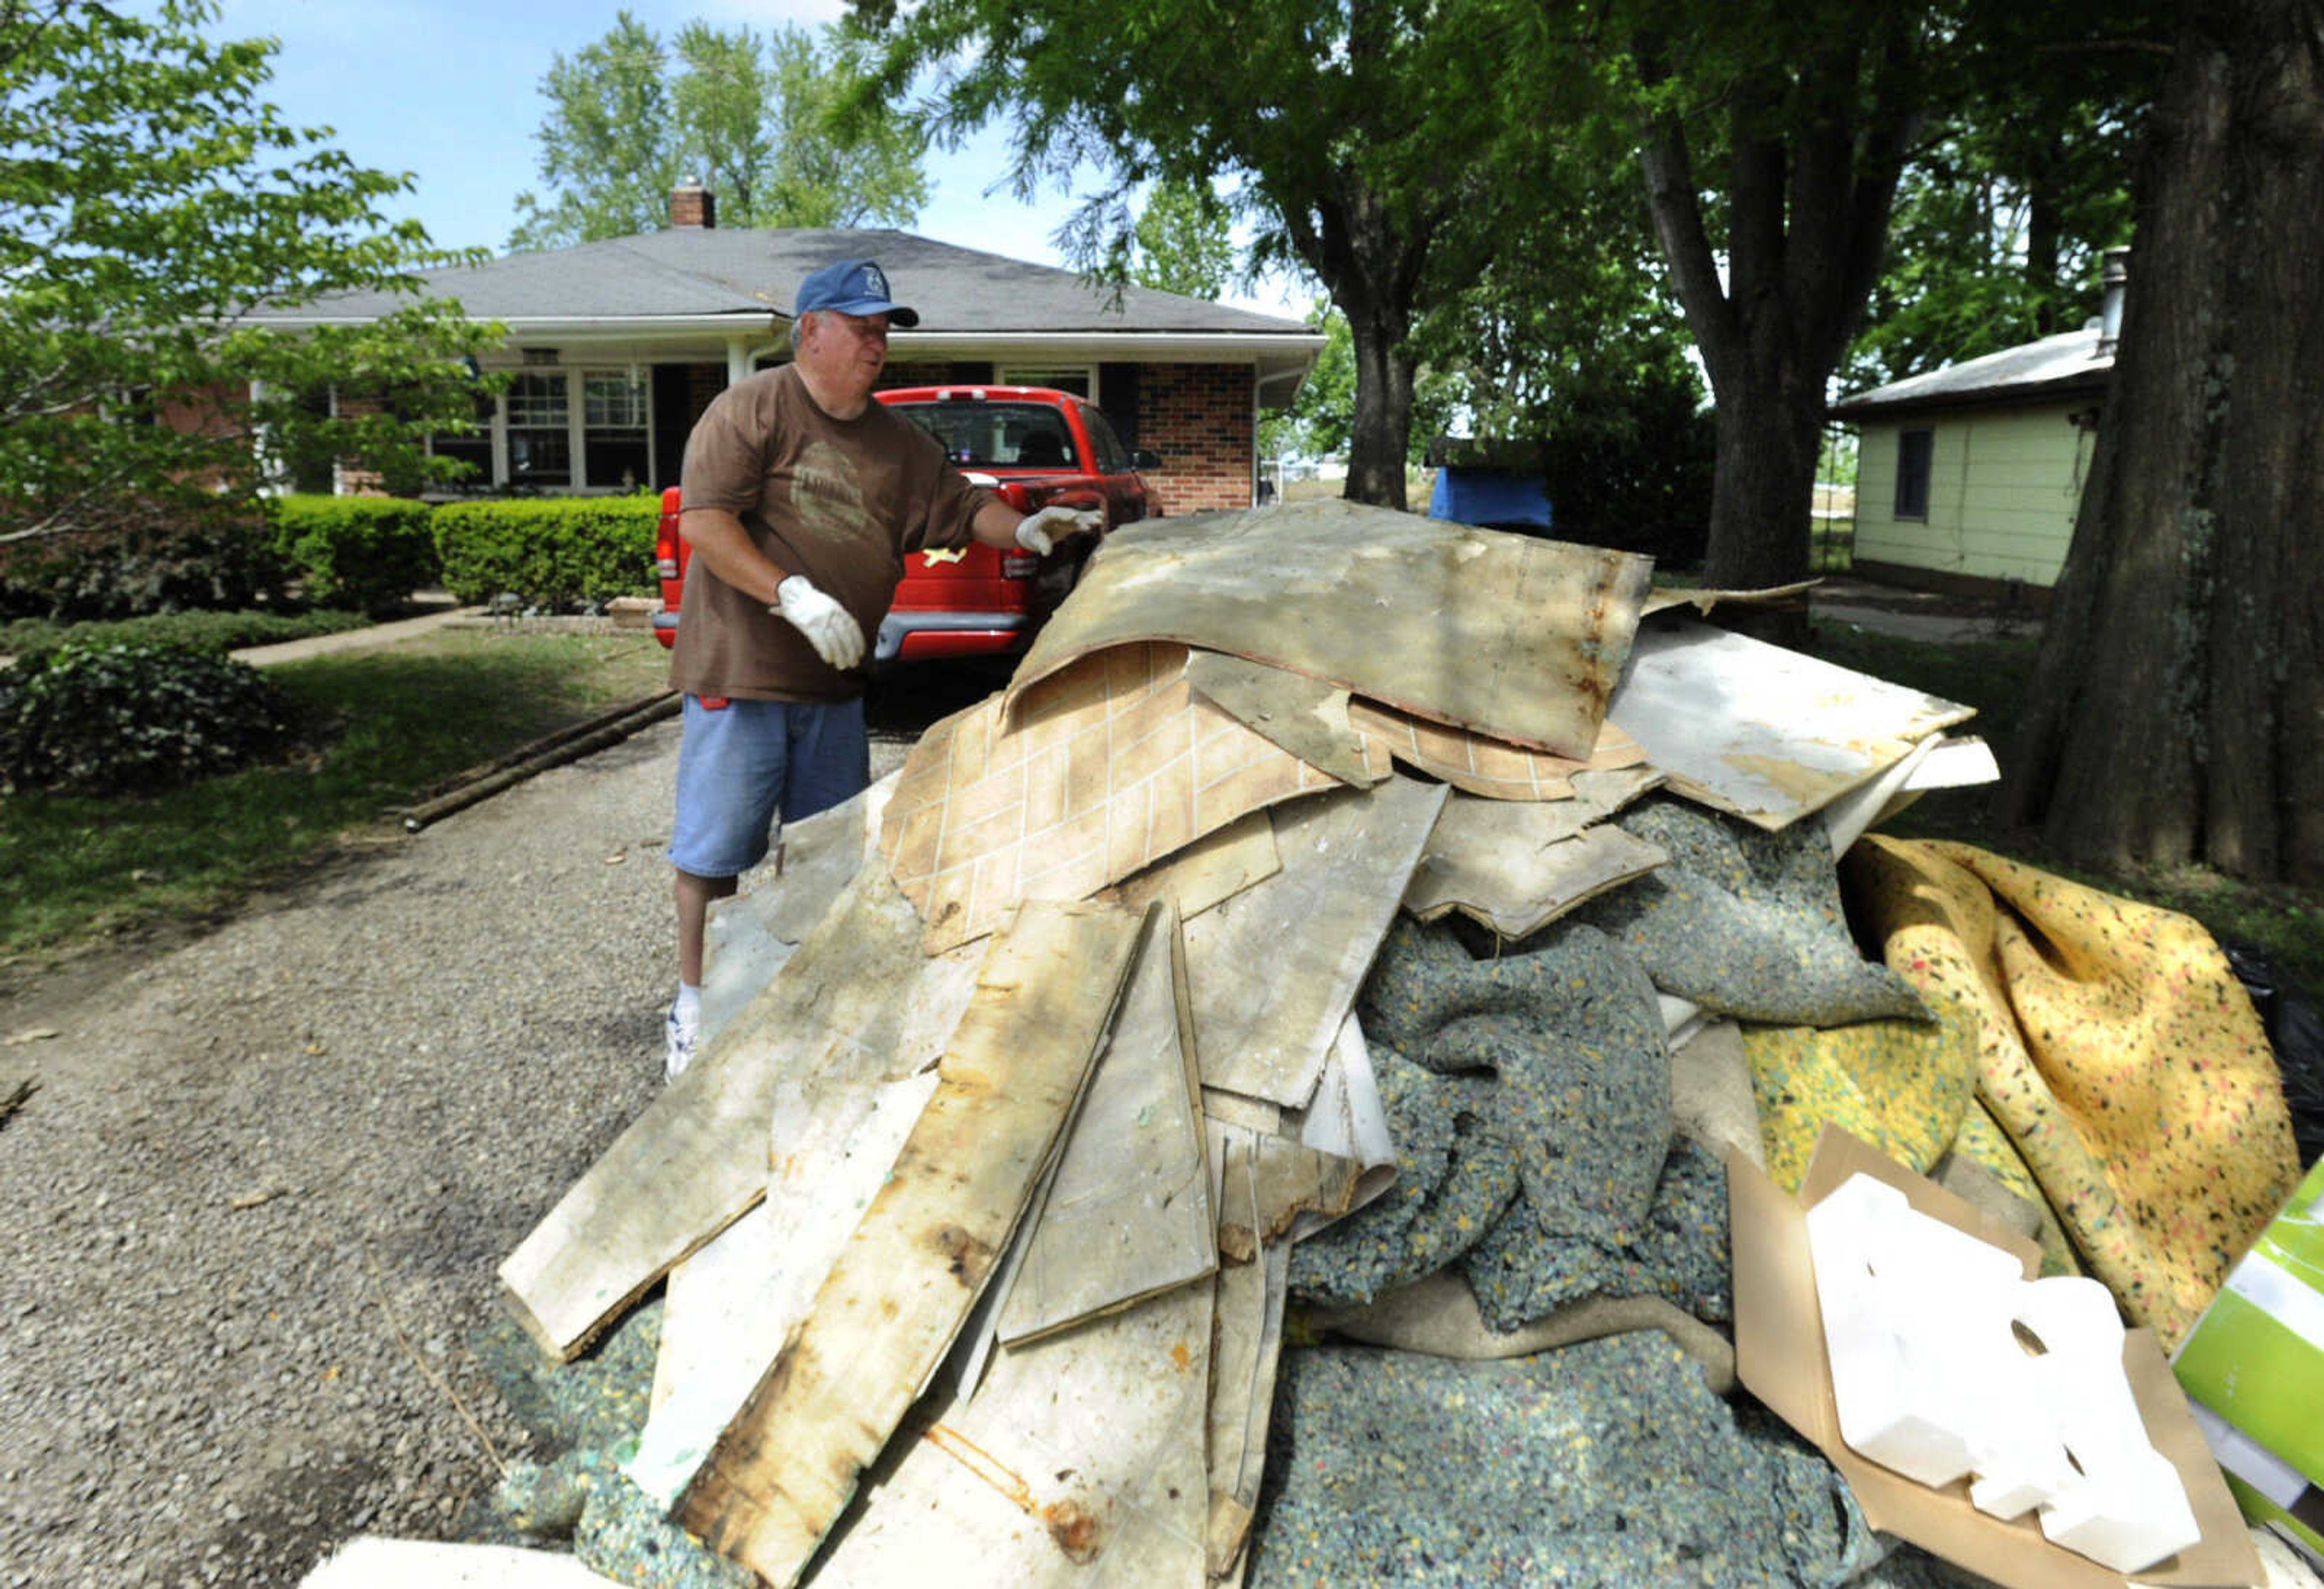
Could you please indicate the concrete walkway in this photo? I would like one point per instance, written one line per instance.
(369, 638)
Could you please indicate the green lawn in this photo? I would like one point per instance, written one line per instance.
(401, 720)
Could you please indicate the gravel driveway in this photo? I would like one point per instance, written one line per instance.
(257, 1203)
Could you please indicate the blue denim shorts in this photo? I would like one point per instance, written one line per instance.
(741, 764)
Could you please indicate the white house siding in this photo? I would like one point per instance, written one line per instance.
(2003, 487)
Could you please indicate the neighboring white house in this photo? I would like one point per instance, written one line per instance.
(1968, 478)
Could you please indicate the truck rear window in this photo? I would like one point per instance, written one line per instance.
(1002, 436)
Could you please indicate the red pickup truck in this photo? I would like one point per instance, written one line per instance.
(1035, 446)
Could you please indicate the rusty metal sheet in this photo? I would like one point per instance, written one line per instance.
(1516, 636)
(1768, 734)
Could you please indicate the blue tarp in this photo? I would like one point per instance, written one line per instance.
(1489, 496)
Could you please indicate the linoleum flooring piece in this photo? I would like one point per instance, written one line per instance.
(1518, 637)
(1485, 861)
(1608, 1463)
(1078, 1462)
(1276, 1183)
(902, 1290)
(2116, 1049)
(1490, 768)
(371, 1562)
(1768, 734)
(1246, 1355)
(1746, 924)
(1274, 970)
(1129, 1212)
(1215, 868)
(1106, 768)
(696, 1159)
(1309, 717)
(1570, 1030)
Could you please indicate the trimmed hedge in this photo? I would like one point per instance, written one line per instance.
(212, 633)
(366, 552)
(117, 719)
(130, 573)
(550, 551)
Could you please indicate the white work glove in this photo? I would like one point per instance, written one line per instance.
(1039, 532)
(835, 635)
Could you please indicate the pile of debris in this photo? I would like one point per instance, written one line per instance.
(1336, 905)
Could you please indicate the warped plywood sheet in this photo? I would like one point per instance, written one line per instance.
(1702, 601)
(1247, 1348)
(1491, 768)
(696, 1159)
(1768, 734)
(904, 1285)
(1078, 1462)
(1515, 636)
(1306, 716)
(1275, 969)
(1490, 861)
(1115, 764)
(730, 1306)
(1127, 1213)
(1216, 867)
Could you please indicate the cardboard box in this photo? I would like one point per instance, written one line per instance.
(1780, 1357)
(2255, 1366)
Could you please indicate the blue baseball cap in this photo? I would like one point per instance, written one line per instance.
(853, 287)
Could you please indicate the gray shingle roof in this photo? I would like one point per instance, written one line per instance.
(698, 271)
(2062, 366)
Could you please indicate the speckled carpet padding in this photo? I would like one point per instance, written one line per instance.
(1746, 924)
(1606, 1463)
(2115, 1048)
(1529, 1098)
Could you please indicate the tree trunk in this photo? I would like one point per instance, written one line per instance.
(2176, 712)
(1770, 426)
(1377, 436)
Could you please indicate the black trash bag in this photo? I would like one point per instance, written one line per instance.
(2296, 1032)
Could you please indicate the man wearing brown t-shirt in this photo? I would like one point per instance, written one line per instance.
(802, 498)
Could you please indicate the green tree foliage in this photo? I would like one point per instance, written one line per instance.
(773, 124)
(1360, 141)
(151, 199)
(1184, 241)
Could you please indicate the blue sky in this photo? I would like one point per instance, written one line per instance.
(448, 90)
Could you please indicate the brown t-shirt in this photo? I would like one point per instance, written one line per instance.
(839, 501)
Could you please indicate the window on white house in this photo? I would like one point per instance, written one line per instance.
(1913, 451)
(1080, 380)
(615, 448)
(473, 449)
(539, 438)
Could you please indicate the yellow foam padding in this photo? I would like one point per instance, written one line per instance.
(2115, 1049)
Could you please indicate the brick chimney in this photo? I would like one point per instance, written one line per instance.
(693, 204)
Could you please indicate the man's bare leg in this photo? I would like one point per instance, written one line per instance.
(694, 896)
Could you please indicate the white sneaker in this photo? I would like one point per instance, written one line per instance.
(681, 1039)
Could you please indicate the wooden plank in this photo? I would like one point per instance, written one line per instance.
(1275, 969)
(1768, 734)
(731, 1306)
(1247, 1346)
(696, 1159)
(894, 1303)
(1079, 1463)
(1127, 1213)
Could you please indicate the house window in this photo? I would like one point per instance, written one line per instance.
(539, 440)
(1080, 380)
(615, 450)
(474, 448)
(1914, 448)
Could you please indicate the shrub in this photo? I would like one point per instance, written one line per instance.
(216, 633)
(159, 568)
(366, 552)
(94, 720)
(551, 551)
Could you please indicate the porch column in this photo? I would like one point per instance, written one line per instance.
(738, 360)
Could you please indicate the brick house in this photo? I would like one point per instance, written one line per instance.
(614, 348)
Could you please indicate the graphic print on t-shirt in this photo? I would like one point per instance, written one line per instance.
(825, 498)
